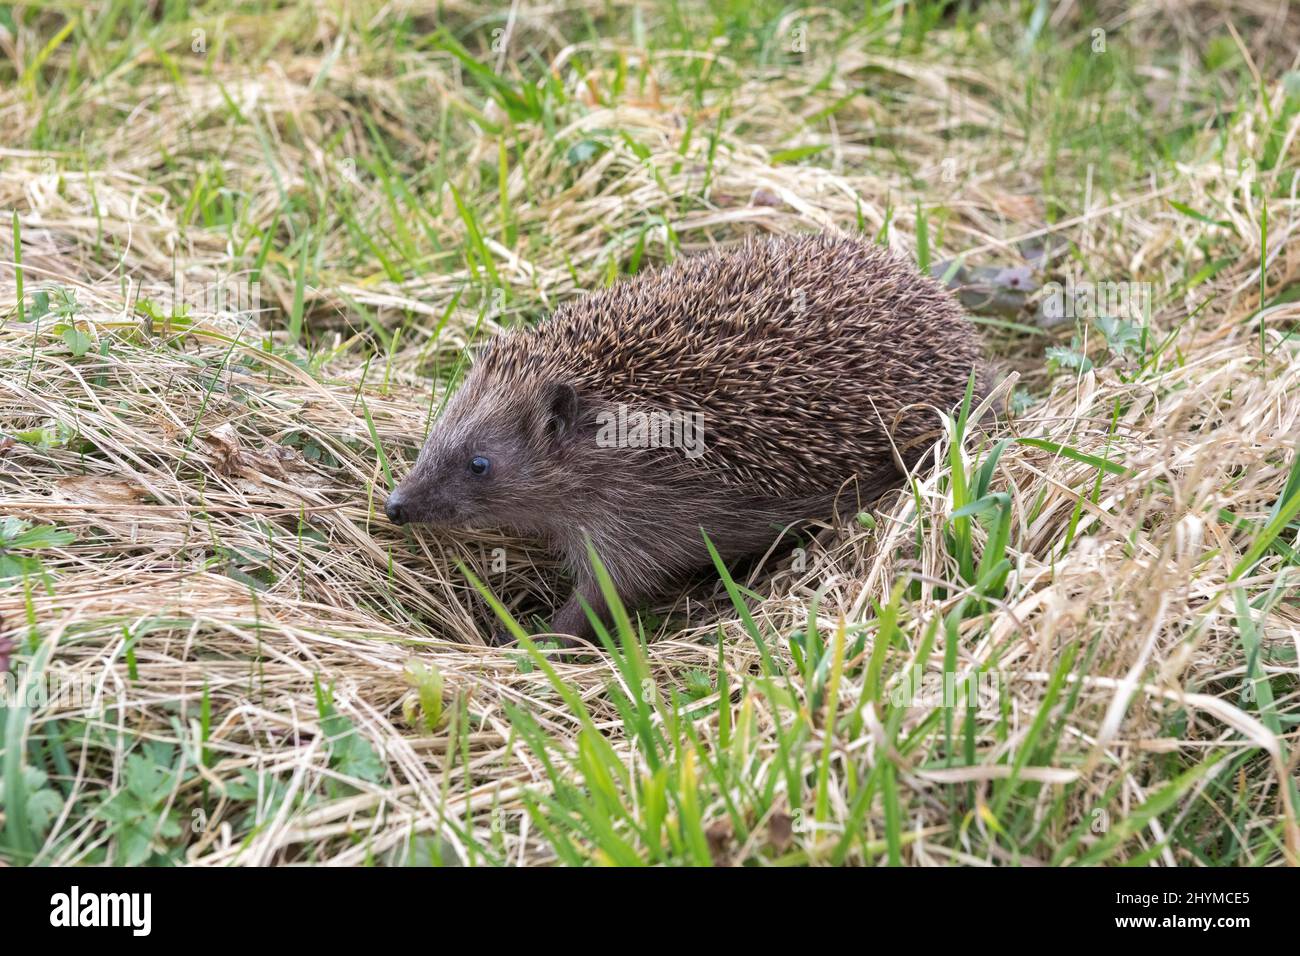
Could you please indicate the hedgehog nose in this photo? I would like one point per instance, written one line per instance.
(395, 508)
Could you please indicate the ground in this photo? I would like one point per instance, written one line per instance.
(244, 248)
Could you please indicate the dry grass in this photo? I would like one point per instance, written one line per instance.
(221, 480)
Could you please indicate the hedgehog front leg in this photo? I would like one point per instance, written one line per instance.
(569, 623)
(571, 619)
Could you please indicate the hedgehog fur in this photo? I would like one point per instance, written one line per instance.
(812, 367)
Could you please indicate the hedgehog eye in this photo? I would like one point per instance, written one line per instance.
(479, 466)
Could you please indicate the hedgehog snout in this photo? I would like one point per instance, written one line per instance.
(395, 507)
(418, 501)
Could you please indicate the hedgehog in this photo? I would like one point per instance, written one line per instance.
(732, 395)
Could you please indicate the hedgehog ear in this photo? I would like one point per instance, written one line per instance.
(561, 410)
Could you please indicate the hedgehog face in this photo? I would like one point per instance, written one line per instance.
(487, 459)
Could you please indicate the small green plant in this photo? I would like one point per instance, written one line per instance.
(427, 681)
(1059, 357)
(350, 754)
(42, 802)
(142, 815)
(19, 541)
(53, 434)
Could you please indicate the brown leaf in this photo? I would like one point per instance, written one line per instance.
(780, 831)
(92, 490)
(719, 834)
(1020, 208)
(223, 442)
(233, 459)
